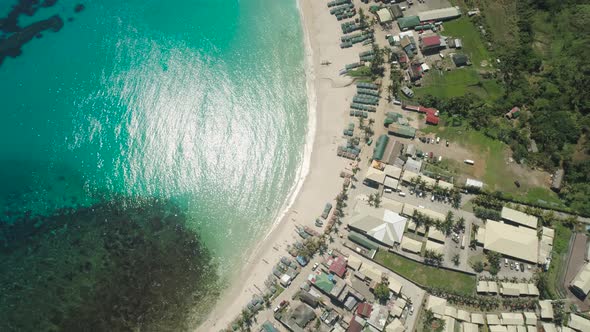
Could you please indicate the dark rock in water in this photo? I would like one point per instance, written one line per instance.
(70, 19)
(39, 36)
(11, 46)
(79, 7)
(135, 274)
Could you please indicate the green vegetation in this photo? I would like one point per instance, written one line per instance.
(559, 260)
(543, 70)
(476, 79)
(427, 276)
(382, 292)
(473, 45)
(360, 72)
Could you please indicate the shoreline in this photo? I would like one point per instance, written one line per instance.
(318, 180)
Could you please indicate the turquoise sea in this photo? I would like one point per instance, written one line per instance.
(200, 104)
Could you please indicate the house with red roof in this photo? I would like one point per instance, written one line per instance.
(364, 310)
(338, 266)
(431, 44)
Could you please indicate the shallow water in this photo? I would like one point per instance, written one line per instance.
(200, 102)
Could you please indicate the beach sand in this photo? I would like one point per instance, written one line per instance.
(322, 183)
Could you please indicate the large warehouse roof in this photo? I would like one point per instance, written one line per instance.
(439, 14)
(582, 279)
(518, 242)
(520, 218)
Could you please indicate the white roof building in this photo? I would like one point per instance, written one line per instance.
(435, 234)
(408, 175)
(530, 318)
(579, 323)
(392, 205)
(519, 218)
(413, 165)
(435, 246)
(437, 305)
(469, 327)
(384, 15)
(395, 326)
(512, 318)
(546, 309)
(392, 171)
(375, 175)
(518, 242)
(473, 183)
(548, 327)
(432, 214)
(409, 209)
(477, 319)
(390, 183)
(445, 184)
(411, 245)
(439, 14)
(582, 280)
(354, 262)
(383, 225)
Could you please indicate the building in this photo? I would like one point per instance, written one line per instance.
(557, 180)
(514, 113)
(384, 15)
(406, 23)
(516, 242)
(380, 147)
(411, 245)
(396, 11)
(581, 283)
(473, 184)
(381, 225)
(408, 175)
(432, 119)
(460, 60)
(415, 72)
(518, 218)
(374, 177)
(579, 323)
(392, 171)
(401, 130)
(392, 151)
(430, 44)
(439, 14)
(546, 309)
(364, 309)
(413, 165)
(338, 266)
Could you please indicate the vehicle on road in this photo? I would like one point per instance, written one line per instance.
(388, 190)
(315, 266)
(447, 143)
(402, 194)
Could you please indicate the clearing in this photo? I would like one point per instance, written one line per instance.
(493, 166)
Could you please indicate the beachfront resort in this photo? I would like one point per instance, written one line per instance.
(419, 238)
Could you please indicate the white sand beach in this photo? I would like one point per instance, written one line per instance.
(322, 184)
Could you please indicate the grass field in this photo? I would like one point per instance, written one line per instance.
(473, 45)
(427, 275)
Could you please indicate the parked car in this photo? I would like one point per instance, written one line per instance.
(437, 140)
(388, 190)
(315, 266)
(402, 194)
(447, 143)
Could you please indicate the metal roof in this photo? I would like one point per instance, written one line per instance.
(439, 14)
(518, 242)
(520, 218)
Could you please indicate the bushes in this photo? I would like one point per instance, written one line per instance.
(484, 213)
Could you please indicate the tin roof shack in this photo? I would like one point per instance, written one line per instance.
(384, 15)
(514, 113)
(557, 180)
(431, 44)
(415, 72)
(460, 60)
